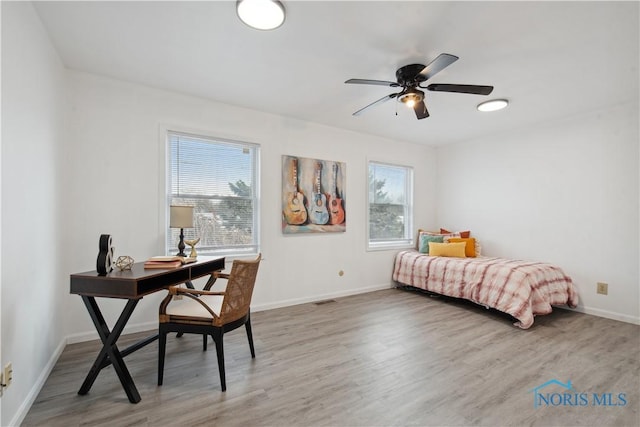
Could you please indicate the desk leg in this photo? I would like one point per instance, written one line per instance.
(210, 282)
(110, 352)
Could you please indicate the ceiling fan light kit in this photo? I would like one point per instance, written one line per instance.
(412, 97)
(493, 105)
(410, 77)
(261, 14)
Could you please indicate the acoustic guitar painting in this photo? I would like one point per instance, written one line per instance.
(313, 197)
(294, 211)
(318, 207)
(336, 211)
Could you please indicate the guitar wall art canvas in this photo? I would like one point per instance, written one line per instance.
(313, 195)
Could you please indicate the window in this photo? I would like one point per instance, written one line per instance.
(390, 206)
(220, 179)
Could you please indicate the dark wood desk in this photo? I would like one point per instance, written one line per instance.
(131, 285)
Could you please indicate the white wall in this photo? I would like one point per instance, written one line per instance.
(114, 164)
(104, 176)
(33, 283)
(564, 192)
(0, 221)
(81, 156)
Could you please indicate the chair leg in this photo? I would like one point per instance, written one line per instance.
(162, 343)
(250, 337)
(205, 337)
(217, 337)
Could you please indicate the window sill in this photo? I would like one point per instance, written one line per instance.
(389, 246)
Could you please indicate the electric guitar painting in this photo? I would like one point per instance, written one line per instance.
(336, 211)
(294, 211)
(318, 207)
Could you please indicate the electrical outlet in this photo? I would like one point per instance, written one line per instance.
(603, 288)
(8, 374)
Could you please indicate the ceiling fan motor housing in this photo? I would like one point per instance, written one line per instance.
(409, 75)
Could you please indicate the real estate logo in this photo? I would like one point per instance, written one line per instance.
(570, 397)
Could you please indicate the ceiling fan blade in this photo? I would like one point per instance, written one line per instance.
(371, 82)
(379, 101)
(440, 63)
(421, 110)
(473, 89)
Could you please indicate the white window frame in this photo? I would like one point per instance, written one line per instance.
(229, 252)
(408, 239)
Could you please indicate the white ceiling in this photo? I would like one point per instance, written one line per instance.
(550, 59)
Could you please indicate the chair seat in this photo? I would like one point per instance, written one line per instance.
(209, 314)
(188, 307)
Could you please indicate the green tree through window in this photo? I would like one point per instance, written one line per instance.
(390, 210)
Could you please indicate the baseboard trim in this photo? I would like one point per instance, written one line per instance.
(129, 329)
(23, 410)
(606, 314)
(148, 326)
(319, 297)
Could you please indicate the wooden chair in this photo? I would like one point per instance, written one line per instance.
(210, 313)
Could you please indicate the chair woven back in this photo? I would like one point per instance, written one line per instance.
(237, 298)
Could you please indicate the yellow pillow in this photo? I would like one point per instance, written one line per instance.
(447, 249)
(470, 248)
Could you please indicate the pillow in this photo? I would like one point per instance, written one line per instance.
(447, 249)
(435, 233)
(470, 245)
(463, 234)
(477, 247)
(424, 240)
(422, 232)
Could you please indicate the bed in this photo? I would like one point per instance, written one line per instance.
(521, 289)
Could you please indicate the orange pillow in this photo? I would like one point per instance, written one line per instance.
(463, 234)
(470, 245)
(447, 249)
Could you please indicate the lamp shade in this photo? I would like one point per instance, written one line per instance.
(181, 217)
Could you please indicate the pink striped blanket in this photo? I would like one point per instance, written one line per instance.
(520, 288)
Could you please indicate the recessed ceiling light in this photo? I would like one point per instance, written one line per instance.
(493, 105)
(261, 14)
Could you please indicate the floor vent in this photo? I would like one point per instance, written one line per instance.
(327, 301)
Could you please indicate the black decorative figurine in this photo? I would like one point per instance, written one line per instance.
(105, 255)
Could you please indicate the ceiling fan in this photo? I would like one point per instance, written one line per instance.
(410, 77)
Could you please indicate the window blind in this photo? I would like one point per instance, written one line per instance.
(220, 179)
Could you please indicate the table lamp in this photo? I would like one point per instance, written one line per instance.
(181, 217)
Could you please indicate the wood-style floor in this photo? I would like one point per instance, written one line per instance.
(386, 358)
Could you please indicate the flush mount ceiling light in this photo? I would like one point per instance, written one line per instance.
(493, 105)
(261, 14)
